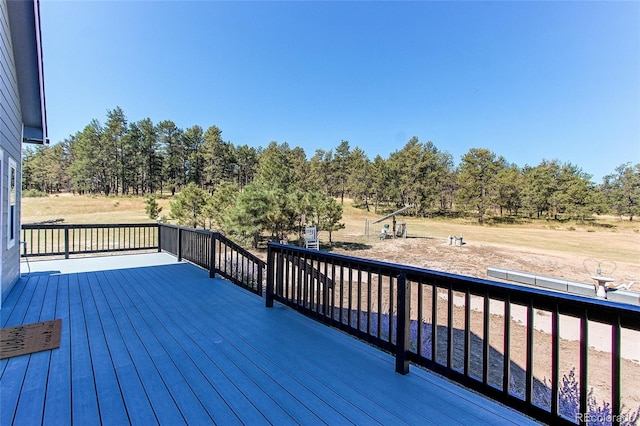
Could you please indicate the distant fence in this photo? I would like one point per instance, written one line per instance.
(215, 252)
(477, 332)
(67, 240)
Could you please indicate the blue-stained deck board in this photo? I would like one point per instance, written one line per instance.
(13, 373)
(142, 320)
(299, 395)
(108, 392)
(83, 387)
(191, 407)
(31, 404)
(202, 377)
(154, 386)
(206, 354)
(167, 344)
(128, 381)
(58, 395)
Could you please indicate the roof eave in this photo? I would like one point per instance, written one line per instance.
(24, 21)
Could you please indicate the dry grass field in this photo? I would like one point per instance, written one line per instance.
(81, 209)
(541, 247)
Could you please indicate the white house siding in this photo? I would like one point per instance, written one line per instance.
(11, 146)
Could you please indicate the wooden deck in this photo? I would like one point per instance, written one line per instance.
(165, 344)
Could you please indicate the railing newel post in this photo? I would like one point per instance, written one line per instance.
(616, 372)
(179, 248)
(584, 364)
(66, 241)
(403, 324)
(212, 256)
(159, 237)
(270, 285)
(259, 287)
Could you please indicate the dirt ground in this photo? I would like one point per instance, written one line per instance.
(474, 257)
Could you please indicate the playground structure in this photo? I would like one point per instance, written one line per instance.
(399, 230)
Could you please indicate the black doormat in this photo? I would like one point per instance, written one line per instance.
(30, 338)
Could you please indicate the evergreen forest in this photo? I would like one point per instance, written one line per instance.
(120, 157)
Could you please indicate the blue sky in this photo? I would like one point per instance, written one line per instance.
(527, 80)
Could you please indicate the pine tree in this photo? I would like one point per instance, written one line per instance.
(475, 175)
(188, 206)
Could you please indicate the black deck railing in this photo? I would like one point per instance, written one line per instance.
(209, 250)
(461, 327)
(216, 253)
(67, 240)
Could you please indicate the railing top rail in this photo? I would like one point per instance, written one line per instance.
(85, 225)
(184, 228)
(261, 263)
(598, 309)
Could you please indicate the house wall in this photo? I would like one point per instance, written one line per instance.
(11, 148)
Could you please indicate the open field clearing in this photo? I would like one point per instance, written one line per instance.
(81, 209)
(542, 247)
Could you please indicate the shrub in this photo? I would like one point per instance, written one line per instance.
(597, 415)
(152, 209)
(34, 193)
(243, 271)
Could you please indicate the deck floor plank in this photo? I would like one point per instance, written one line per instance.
(166, 344)
(13, 307)
(31, 404)
(258, 388)
(83, 386)
(108, 390)
(193, 410)
(203, 376)
(58, 396)
(14, 373)
(176, 362)
(126, 373)
(298, 399)
(159, 396)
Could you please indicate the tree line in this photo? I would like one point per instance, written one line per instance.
(121, 157)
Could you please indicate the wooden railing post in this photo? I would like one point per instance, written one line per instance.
(616, 372)
(212, 256)
(179, 248)
(259, 286)
(584, 365)
(159, 237)
(403, 324)
(322, 280)
(66, 242)
(270, 278)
